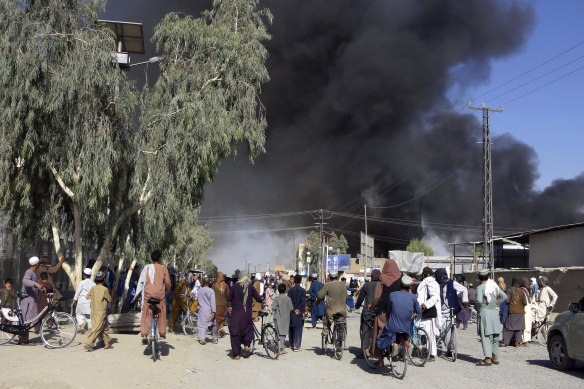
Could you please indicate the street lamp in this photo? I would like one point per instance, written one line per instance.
(308, 262)
(151, 60)
(326, 258)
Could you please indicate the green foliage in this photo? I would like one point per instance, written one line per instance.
(339, 245)
(73, 160)
(189, 245)
(419, 246)
(210, 269)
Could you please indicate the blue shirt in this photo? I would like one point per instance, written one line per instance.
(400, 307)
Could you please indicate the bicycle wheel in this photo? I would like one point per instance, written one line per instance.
(189, 324)
(399, 363)
(271, 341)
(542, 333)
(58, 330)
(5, 337)
(339, 341)
(420, 354)
(452, 344)
(365, 344)
(324, 344)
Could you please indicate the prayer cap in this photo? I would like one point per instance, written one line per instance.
(33, 261)
(406, 281)
(314, 275)
(258, 276)
(87, 271)
(484, 272)
(100, 276)
(333, 273)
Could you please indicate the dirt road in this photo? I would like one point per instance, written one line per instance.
(185, 362)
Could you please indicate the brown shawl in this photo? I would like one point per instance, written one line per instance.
(390, 272)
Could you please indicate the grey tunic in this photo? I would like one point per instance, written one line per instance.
(282, 306)
(489, 323)
(29, 305)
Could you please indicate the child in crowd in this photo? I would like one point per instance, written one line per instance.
(99, 296)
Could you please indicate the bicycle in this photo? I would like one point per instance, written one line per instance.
(419, 340)
(541, 329)
(153, 334)
(398, 359)
(336, 337)
(451, 347)
(189, 321)
(58, 329)
(268, 336)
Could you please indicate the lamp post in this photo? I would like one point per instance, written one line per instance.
(326, 258)
(151, 60)
(308, 262)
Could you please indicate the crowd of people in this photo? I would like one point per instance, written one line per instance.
(387, 301)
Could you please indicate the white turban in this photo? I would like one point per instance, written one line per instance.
(87, 271)
(258, 277)
(33, 261)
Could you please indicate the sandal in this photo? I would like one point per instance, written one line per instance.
(236, 357)
(494, 362)
(88, 348)
(108, 346)
(483, 362)
(215, 341)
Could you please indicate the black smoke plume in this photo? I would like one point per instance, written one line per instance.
(358, 111)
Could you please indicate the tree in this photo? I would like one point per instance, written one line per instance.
(339, 245)
(210, 269)
(73, 162)
(419, 246)
(190, 245)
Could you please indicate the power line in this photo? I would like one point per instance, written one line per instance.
(544, 85)
(216, 219)
(535, 79)
(228, 232)
(530, 70)
(420, 195)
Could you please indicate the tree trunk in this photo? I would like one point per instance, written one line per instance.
(116, 280)
(75, 280)
(78, 250)
(126, 285)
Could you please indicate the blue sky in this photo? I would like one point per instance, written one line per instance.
(549, 120)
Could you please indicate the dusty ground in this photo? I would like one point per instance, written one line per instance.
(185, 362)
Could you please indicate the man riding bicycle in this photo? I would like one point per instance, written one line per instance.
(336, 302)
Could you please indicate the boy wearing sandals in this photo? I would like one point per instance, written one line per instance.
(99, 296)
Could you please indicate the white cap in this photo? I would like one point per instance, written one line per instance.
(258, 276)
(87, 271)
(33, 261)
(333, 273)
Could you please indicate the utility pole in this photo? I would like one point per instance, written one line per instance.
(321, 223)
(366, 256)
(487, 188)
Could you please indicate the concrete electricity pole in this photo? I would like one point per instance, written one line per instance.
(487, 188)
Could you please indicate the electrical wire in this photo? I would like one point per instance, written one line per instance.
(216, 219)
(230, 232)
(544, 85)
(535, 79)
(529, 71)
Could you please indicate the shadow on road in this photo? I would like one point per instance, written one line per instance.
(164, 349)
(578, 370)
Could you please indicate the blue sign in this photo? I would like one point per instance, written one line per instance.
(341, 262)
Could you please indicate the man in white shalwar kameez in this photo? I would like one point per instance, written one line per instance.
(429, 296)
(83, 310)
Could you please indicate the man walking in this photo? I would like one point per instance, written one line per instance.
(298, 296)
(207, 311)
(99, 296)
(154, 283)
(429, 299)
(316, 309)
(83, 311)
